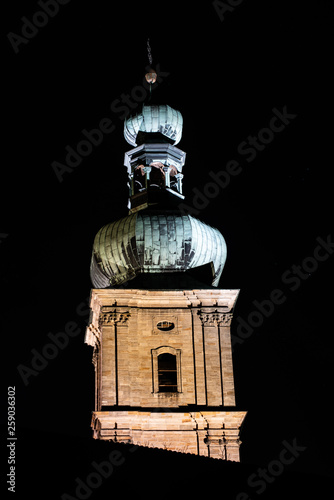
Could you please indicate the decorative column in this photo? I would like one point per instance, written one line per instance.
(109, 320)
(167, 171)
(226, 359)
(179, 178)
(131, 184)
(147, 171)
(217, 356)
(199, 361)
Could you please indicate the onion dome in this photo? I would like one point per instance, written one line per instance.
(148, 242)
(155, 118)
(156, 237)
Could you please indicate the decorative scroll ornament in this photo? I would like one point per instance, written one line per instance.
(113, 317)
(215, 318)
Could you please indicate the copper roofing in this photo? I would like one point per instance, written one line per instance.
(154, 118)
(154, 243)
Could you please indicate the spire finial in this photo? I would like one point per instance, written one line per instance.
(149, 53)
(151, 76)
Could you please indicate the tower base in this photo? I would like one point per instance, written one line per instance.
(212, 434)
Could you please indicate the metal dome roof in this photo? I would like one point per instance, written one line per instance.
(154, 243)
(154, 118)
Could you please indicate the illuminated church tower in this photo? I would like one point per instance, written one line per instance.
(159, 326)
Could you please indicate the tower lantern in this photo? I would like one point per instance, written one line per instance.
(159, 326)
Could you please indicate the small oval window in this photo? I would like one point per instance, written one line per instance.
(165, 326)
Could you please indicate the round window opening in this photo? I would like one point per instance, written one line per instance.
(165, 326)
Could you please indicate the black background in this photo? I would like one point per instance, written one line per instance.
(225, 77)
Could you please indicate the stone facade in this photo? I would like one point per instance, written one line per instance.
(130, 329)
(212, 434)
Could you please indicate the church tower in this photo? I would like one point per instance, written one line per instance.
(159, 326)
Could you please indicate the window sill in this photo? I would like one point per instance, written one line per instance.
(166, 394)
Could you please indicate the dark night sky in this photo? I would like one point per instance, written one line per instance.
(225, 77)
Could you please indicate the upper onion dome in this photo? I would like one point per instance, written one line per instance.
(154, 118)
(154, 243)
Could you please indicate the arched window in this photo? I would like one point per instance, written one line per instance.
(166, 366)
(157, 178)
(139, 180)
(167, 373)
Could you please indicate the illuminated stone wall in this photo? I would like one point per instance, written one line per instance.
(127, 338)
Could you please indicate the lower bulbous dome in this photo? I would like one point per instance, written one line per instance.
(154, 243)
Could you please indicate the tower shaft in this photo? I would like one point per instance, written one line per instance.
(186, 403)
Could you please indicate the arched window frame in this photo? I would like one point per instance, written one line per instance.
(155, 378)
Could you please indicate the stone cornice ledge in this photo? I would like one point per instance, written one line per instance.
(163, 298)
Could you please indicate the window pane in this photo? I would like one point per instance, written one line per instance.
(167, 373)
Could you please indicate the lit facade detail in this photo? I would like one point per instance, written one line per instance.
(159, 327)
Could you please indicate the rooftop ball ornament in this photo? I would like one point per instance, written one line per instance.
(151, 76)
